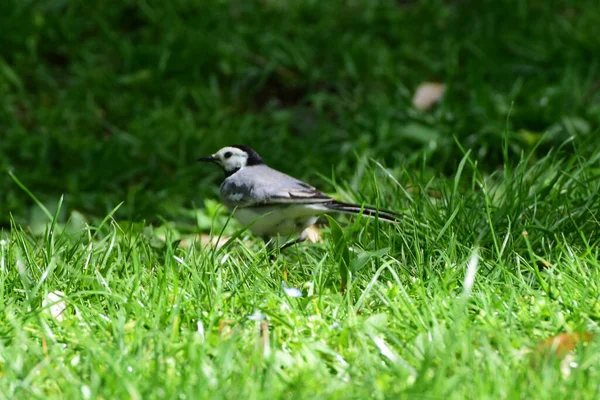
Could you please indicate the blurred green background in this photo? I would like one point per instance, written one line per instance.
(113, 100)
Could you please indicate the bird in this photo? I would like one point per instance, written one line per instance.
(273, 204)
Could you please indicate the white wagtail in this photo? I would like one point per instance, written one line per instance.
(272, 203)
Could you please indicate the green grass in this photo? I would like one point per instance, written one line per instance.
(146, 319)
(105, 105)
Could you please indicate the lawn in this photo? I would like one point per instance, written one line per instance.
(112, 288)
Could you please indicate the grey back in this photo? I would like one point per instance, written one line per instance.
(261, 185)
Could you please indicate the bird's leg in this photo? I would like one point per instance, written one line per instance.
(302, 238)
(293, 242)
(310, 233)
(270, 246)
(268, 241)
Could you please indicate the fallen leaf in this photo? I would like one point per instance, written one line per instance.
(428, 94)
(313, 234)
(561, 345)
(226, 328)
(204, 240)
(560, 349)
(543, 264)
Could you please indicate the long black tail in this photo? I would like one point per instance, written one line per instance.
(383, 215)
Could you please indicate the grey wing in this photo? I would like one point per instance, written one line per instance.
(298, 192)
(264, 185)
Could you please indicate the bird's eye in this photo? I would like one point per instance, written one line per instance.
(227, 155)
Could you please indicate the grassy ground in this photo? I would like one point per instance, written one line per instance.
(104, 103)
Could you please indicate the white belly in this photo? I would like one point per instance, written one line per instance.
(277, 221)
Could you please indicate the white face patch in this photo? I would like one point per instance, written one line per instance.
(231, 158)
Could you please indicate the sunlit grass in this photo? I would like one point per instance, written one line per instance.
(148, 318)
(107, 292)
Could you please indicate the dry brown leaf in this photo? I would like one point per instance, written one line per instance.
(217, 241)
(428, 94)
(204, 240)
(313, 234)
(226, 328)
(561, 345)
(560, 348)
